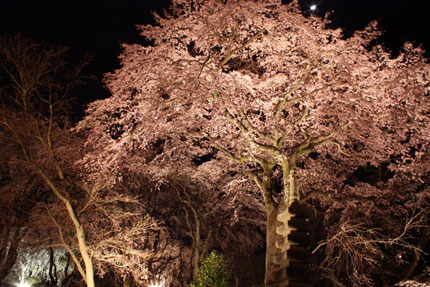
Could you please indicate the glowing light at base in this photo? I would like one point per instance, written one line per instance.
(156, 284)
(23, 284)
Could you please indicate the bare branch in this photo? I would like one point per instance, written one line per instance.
(66, 246)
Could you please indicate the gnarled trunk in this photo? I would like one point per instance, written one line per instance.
(289, 236)
(276, 258)
(290, 239)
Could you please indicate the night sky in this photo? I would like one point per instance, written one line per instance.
(98, 27)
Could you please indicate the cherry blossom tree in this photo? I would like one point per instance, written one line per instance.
(228, 91)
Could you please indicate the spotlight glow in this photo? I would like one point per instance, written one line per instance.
(156, 284)
(23, 284)
(313, 7)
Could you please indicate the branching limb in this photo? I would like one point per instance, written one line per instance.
(264, 188)
(18, 140)
(67, 246)
(250, 127)
(231, 51)
(305, 115)
(196, 232)
(246, 134)
(239, 158)
(285, 100)
(236, 158)
(310, 144)
(340, 149)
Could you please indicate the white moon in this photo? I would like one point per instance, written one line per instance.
(313, 7)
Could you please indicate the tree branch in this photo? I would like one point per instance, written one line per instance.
(66, 246)
(285, 100)
(245, 132)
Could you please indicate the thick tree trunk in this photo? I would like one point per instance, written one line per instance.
(289, 255)
(289, 238)
(276, 258)
(88, 272)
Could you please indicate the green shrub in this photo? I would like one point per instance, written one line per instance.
(214, 272)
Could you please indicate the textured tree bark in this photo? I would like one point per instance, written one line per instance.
(276, 258)
(288, 239)
(88, 273)
(10, 260)
(10, 238)
(89, 269)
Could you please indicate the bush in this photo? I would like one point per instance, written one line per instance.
(214, 272)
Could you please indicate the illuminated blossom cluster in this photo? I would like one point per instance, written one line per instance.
(226, 92)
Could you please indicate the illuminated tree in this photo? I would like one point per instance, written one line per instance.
(104, 230)
(35, 84)
(240, 90)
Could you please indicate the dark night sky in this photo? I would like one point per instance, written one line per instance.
(98, 27)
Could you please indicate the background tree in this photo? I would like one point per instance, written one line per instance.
(15, 210)
(104, 230)
(292, 105)
(13, 218)
(192, 223)
(35, 85)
